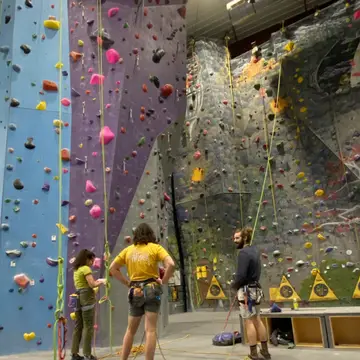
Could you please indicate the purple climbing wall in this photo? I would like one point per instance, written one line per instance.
(143, 94)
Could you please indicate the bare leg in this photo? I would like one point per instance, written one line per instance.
(150, 331)
(133, 325)
(252, 337)
(263, 336)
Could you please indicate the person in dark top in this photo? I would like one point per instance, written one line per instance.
(249, 291)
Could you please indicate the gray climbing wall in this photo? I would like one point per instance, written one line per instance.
(304, 206)
(143, 93)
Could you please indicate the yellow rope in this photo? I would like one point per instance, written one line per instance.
(106, 211)
(60, 278)
(269, 151)
(228, 63)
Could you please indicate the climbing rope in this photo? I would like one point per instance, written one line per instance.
(59, 337)
(106, 211)
(268, 165)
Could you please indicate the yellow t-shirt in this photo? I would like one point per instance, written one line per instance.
(80, 277)
(142, 260)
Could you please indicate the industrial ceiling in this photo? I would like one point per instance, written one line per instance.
(211, 19)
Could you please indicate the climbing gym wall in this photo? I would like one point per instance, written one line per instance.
(100, 103)
(289, 168)
(35, 186)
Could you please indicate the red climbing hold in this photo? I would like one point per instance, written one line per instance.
(357, 15)
(149, 25)
(182, 12)
(166, 197)
(197, 155)
(142, 117)
(144, 88)
(146, 11)
(122, 130)
(50, 86)
(166, 90)
(225, 102)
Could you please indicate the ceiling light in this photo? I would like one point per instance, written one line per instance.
(232, 4)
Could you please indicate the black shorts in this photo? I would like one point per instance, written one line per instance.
(149, 301)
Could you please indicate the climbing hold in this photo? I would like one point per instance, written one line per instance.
(52, 24)
(289, 46)
(41, 106)
(24, 244)
(300, 263)
(319, 193)
(90, 187)
(80, 43)
(112, 56)
(113, 11)
(29, 337)
(25, 48)
(357, 15)
(166, 197)
(300, 175)
(197, 155)
(65, 102)
(321, 237)
(95, 212)
(75, 56)
(155, 80)
(21, 280)
(166, 90)
(28, 3)
(4, 49)
(16, 68)
(14, 102)
(141, 142)
(182, 12)
(97, 79)
(46, 187)
(52, 262)
(18, 185)
(276, 253)
(158, 55)
(88, 202)
(50, 86)
(106, 135)
(29, 144)
(65, 154)
(13, 253)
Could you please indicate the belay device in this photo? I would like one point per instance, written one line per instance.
(227, 339)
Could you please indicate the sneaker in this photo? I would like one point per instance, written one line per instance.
(265, 354)
(91, 357)
(77, 357)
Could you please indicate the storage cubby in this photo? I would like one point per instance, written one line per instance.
(265, 322)
(308, 332)
(283, 324)
(345, 331)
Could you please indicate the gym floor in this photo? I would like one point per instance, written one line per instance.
(189, 336)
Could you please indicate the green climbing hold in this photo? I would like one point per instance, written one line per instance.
(19, 159)
(269, 92)
(7, 201)
(16, 209)
(126, 25)
(257, 86)
(141, 142)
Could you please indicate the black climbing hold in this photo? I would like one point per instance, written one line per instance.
(271, 117)
(7, 19)
(280, 148)
(90, 22)
(257, 86)
(269, 92)
(155, 80)
(64, 203)
(75, 93)
(25, 48)
(29, 144)
(28, 3)
(158, 55)
(4, 49)
(16, 68)
(18, 185)
(45, 187)
(65, 73)
(14, 102)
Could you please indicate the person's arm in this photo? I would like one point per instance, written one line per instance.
(115, 269)
(94, 283)
(241, 272)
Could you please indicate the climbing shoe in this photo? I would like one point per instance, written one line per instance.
(265, 354)
(91, 357)
(77, 357)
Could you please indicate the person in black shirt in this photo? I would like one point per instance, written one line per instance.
(249, 291)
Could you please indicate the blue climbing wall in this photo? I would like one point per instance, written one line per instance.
(29, 216)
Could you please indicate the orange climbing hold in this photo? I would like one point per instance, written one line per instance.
(144, 88)
(65, 155)
(75, 56)
(50, 86)
(142, 117)
(112, 210)
(72, 218)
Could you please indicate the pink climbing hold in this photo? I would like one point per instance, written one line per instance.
(97, 263)
(94, 153)
(197, 155)
(357, 15)
(166, 197)
(95, 212)
(97, 79)
(112, 56)
(106, 135)
(90, 187)
(107, 106)
(91, 70)
(112, 12)
(65, 102)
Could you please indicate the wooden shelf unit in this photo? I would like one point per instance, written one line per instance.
(345, 332)
(308, 332)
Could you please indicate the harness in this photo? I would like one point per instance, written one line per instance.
(139, 288)
(252, 298)
(74, 300)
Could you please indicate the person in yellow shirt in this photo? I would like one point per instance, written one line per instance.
(85, 308)
(141, 260)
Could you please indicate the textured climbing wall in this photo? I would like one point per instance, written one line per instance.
(30, 155)
(305, 204)
(143, 63)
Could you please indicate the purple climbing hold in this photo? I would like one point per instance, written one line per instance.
(46, 187)
(64, 203)
(41, 279)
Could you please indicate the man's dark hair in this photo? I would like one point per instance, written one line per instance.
(82, 258)
(144, 234)
(246, 234)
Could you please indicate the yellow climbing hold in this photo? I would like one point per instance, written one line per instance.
(73, 316)
(300, 175)
(62, 228)
(319, 192)
(59, 65)
(80, 43)
(303, 109)
(321, 237)
(313, 264)
(88, 202)
(314, 272)
(305, 180)
(280, 260)
(58, 123)
(278, 106)
(300, 79)
(56, 177)
(52, 24)
(289, 46)
(318, 182)
(29, 337)
(308, 245)
(41, 106)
